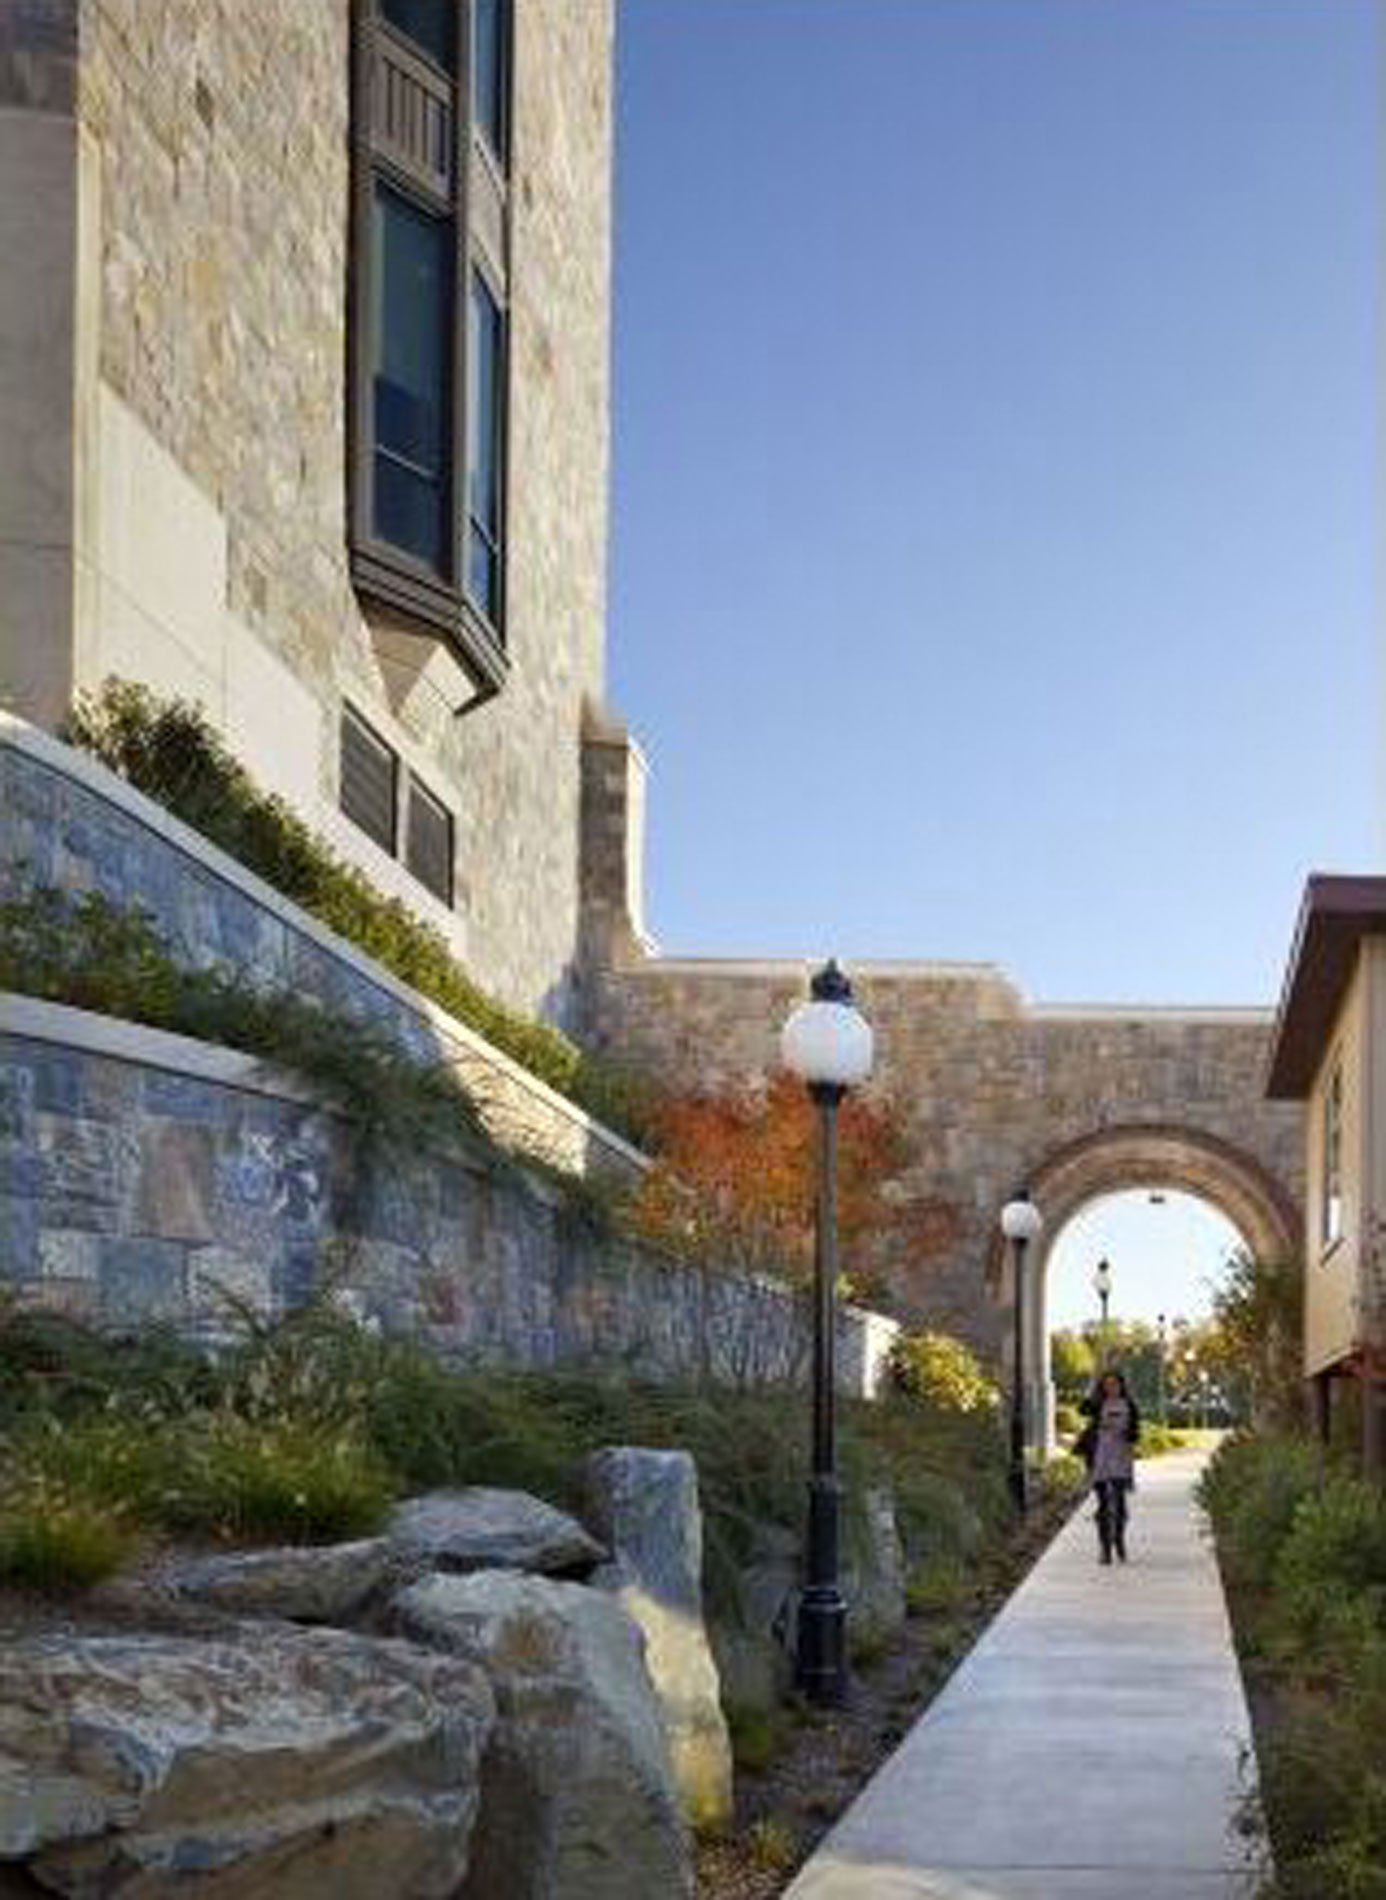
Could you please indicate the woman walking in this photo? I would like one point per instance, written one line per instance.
(1108, 1447)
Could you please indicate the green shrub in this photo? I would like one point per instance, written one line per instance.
(936, 1586)
(1068, 1420)
(52, 1366)
(1062, 1476)
(758, 1737)
(169, 751)
(1330, 1574)
(943, 1372)
(213, 1473)
(1157, 1439)
(54, 1540)
(771, 1844)
(1252, 1489)
(247, 1480)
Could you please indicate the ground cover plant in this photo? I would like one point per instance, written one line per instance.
(309, 1426)
(1302, 1544)
(168, 750)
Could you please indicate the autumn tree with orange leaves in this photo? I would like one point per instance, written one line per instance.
(735, 1180)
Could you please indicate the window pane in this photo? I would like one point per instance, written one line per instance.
(490, 24)
(411, 326)
(427, 22)
(485, 420)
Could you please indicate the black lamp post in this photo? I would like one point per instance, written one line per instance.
(1020, 1223)
(828, 1044)
(1163, 1334)
(1102, 1281)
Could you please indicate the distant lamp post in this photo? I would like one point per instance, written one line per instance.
(1102, 1283)
(827, 1043)
(1021, 1223)
(1162, 1330)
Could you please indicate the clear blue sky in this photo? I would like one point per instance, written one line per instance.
(1165, 1258)
(995, 482)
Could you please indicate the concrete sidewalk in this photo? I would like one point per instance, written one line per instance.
(1090, 1747)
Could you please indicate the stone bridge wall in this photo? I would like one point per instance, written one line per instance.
(996, 1092)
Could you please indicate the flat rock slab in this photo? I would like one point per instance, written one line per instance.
(268, 1763)
(1090, 1747)
(478, 1528)
(326, 1583)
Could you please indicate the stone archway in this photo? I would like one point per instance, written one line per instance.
(1114, 1159)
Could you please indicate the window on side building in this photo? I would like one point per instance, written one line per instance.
(429, 389)
(1331, 1224)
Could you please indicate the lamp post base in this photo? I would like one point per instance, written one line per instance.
(821, 1668)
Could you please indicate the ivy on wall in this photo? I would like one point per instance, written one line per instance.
(167, 749)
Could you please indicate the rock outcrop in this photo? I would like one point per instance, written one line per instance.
(317, 1583)
(578, 1795)
(270, 1763)
(644, 1507)
(482, 1529)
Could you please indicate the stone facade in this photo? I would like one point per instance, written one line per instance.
(71, 825)
(997, 1093)
(146, 1177)
(173, 412)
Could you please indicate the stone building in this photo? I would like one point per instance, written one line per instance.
(303, 415)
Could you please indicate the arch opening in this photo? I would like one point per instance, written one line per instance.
(1114, 1162)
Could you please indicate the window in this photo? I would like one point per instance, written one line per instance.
(1331, 1223)
(375, 788)
(490, 45)
(484, 406)
(410, 380)
(429, 378)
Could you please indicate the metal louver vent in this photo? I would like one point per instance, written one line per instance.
(369, 780)
(428, 845)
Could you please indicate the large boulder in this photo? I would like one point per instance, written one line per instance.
(271, 1763)
(578, 1796)
(873, 1571)
(326, 1583)
(644, 1507)
(752, 1638)
(481, 1529)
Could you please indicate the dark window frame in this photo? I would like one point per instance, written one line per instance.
(383, 573)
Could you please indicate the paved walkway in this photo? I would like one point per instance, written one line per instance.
(1088, 1749)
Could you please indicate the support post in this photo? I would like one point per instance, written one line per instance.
(1321, 1407)
(1373, 1426)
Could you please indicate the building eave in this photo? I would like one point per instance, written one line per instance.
(1336, 915)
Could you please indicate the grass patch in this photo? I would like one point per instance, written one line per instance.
(308, 1427)
(54, 1540)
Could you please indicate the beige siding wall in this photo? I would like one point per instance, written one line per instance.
(1332, 1269)
(212, 442)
